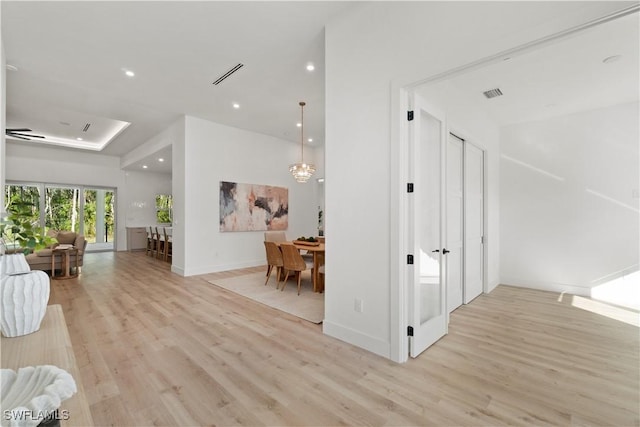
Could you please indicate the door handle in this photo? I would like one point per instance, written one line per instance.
(437, 250)
(445, 251)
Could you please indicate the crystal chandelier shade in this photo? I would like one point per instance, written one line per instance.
(302, 171)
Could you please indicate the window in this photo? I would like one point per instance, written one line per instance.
(61, 208)
(164, 208)
(84, 210)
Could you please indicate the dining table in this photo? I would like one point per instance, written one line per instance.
(317, 250)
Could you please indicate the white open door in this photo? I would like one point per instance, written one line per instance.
(428, 314)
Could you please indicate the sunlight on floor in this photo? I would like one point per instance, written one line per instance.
(621, 314)
(623, 291)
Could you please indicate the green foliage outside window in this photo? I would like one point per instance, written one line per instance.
(164, 208)
(62, 208)
(90, 216)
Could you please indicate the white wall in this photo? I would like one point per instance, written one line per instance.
(139, 197)
(143, 186)
(164, 139)
(570, 208)
(214, 153)
(38, 163)
(369, 48)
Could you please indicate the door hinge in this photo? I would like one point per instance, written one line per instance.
(410, 331)
(482, 240)
(409, 259)
(409, 115)
(409, 187)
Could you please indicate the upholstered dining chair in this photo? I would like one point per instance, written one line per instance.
(274, 259)
(280, 236)
(293, 262)
(275, 236)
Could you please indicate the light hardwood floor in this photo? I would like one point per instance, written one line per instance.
(155, 348)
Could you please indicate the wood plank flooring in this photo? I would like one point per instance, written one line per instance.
(155, 348)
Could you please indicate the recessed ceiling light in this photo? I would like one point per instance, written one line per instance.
(11, 67)
(129, 73)
(79, 139)
(161, 159)
(610, 59)
(310, 67)
(236, 105)
(299, 124)
(144, 166)
(310, 139)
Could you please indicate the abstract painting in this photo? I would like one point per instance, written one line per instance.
(253, 207)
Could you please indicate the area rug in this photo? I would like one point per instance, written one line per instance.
(308, 305)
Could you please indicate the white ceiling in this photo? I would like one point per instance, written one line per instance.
(563, 77)
(71, 57)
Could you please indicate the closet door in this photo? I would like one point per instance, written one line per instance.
(455, 222)
(474, 222)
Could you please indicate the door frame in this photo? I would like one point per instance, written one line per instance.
(400, 307)
(401, 88)
(115, 210)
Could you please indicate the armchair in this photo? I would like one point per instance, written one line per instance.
(41, 260)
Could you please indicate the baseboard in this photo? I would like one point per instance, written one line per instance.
(177, 270)
(584, 291)
(221, 267)
(367, 342)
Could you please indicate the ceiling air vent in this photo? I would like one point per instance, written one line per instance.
(86, 127)
(492, 93)
(227, 74)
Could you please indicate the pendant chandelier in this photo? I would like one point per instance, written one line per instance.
(302, 171)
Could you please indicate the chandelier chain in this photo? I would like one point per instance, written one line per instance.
(302, 104)
(302, 171)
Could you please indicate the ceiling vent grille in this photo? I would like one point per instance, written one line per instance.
(86, 127)
(492, 93)
(227, 74)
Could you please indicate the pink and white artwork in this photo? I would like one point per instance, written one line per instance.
(253, 207)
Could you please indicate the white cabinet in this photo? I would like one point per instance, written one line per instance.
(136, 239)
